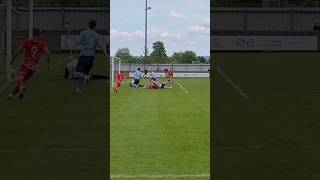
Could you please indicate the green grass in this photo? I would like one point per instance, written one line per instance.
(161, 132)
(54, 134)
(275, 134)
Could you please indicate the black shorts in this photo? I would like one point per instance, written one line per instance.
(85, 63)
(136, 81)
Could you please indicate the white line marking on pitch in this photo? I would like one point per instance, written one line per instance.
(182, 88)
(244, 95)
(169, 176)
(59, 62)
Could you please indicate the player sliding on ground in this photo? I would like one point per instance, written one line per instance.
(118, 80)
(157, 84)
(71, 68)
(89, 41)
(32, 49)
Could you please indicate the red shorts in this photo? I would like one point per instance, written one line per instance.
(25, 72)
(152, 87)
(117, 84)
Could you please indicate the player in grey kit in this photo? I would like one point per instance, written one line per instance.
(89, 41)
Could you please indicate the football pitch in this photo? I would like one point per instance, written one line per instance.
(266, 116)
(265, 124)
(161, 134)
(52, 133)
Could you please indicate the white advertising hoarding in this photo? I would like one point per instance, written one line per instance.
(185, 75)
(264, 43)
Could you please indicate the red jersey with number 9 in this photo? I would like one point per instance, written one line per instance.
(33, 49)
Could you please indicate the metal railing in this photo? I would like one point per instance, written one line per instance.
(264, 19)
(130, 67)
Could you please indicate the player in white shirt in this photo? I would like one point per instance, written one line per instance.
(153, 76)
(70, 68)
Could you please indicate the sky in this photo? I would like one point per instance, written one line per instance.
(180, 24)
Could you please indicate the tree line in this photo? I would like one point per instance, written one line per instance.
(159, 56)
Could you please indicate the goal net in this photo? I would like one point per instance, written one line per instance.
(9, 37)
(3, 59)
(115, 68)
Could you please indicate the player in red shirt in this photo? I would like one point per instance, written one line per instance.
(118, 80)
(32, 49)
(170, 74)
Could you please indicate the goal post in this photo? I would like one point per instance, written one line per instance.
(7, 38)
(115, 68)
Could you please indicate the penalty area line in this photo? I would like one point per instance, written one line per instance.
(244, 95)
(164, 176)
(59, 62)
(182, 88)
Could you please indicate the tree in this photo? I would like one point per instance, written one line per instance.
(159, 53)
(124, 54)
(177, 57)
(137, 59)
(202, 59)
(189, 56)
(184, 57)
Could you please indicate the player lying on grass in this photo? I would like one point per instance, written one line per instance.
(71, 68)
(157, 84)
(118, 80)
(32, 50)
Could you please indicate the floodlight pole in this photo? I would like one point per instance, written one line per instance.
(9, 38)
(145, 34)
(30, 34)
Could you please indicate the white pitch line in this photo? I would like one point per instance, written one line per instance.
(59, 62)
(244, 95)
(182, 88)
(162, 176)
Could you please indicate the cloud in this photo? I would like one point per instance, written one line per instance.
(177, 14)
(199, 29)
(193, 38)
(122, 35)
(156, 33)
(206, 21)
